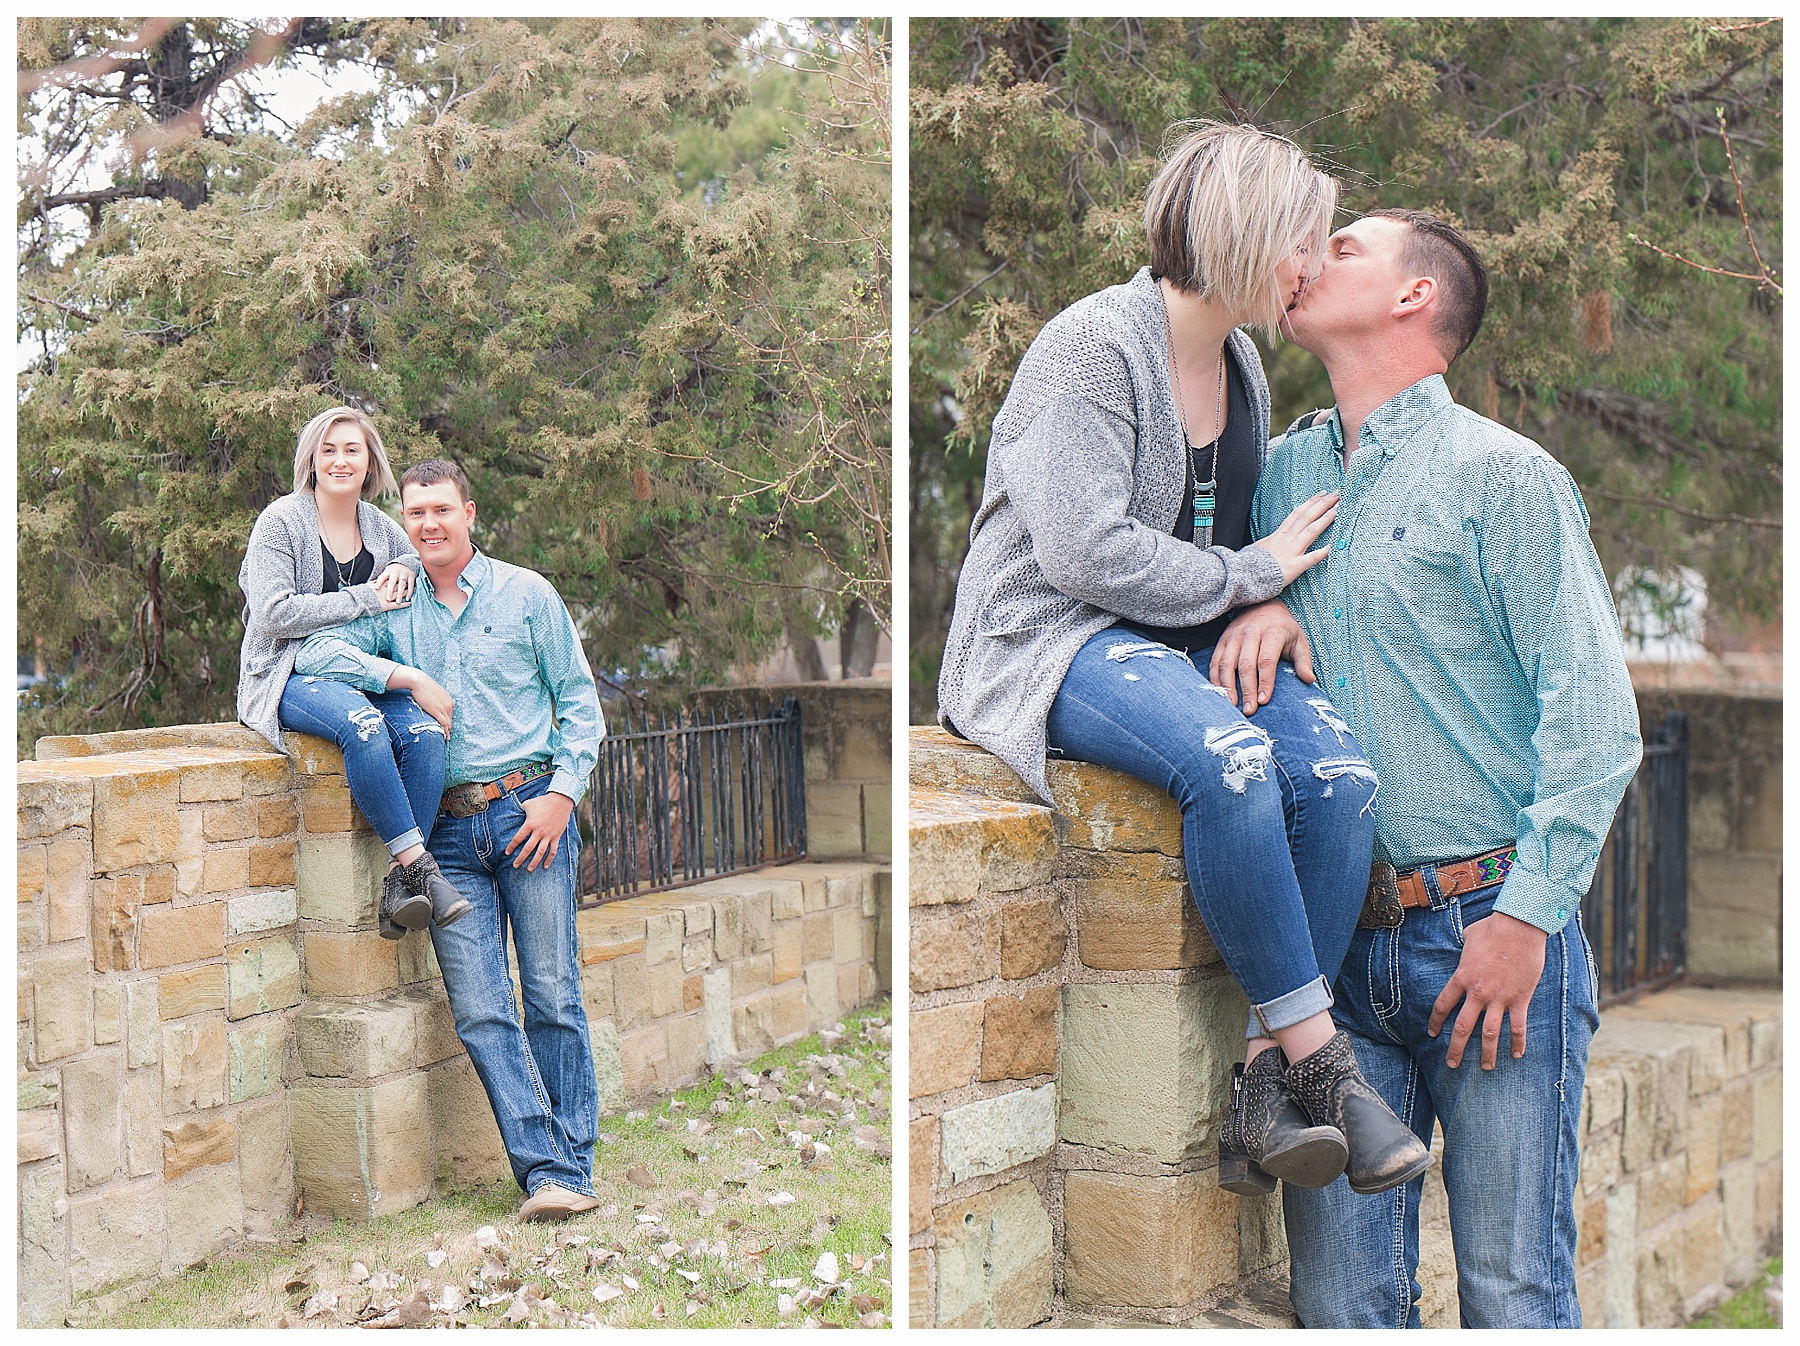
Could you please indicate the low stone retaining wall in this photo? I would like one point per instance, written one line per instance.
(211, 1027)
(1071, 1037)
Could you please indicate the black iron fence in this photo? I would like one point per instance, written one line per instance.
(1636, 909)
(677, 802)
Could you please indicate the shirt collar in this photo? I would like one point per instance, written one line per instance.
(473, 574)
(1398, 419)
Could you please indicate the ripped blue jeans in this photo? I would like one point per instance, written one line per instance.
(393, 752)
(1277, 827)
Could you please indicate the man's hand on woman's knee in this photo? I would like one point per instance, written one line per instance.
(1258, 638)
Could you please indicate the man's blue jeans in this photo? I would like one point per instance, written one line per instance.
(393, 752)
(1276, 824)
(539, 1077)
(1510, 1151)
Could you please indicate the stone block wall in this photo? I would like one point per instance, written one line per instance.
(1071, 1036)
(211, 1028)
(848, 736)
(1734, 830)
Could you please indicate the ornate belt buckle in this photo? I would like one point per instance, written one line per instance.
(1381, 908)
(465, 801)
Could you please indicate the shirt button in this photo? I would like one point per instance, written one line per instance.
(1340, 682)
(1344, 546)
(1339, 613)
(1562, 913)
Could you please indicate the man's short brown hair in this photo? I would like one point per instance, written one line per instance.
(431, 472)
(1439, 250)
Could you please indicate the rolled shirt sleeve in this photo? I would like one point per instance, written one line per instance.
(1552, 600)
(349, 654)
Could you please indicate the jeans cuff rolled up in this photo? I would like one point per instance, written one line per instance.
(411, 837)
(1284, 1011)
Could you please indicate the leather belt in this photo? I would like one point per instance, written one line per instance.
(465, 801)
(1391, 892)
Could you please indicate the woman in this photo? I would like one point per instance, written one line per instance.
(309, 566)
(1111, 545)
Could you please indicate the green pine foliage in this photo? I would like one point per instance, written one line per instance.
(632, 274)
(1552, 142)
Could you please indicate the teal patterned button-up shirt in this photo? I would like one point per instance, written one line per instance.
(1464, 629)
(511, 661)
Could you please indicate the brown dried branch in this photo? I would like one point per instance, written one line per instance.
(1764, 278)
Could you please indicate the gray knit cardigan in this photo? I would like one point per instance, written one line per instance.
(1085, 475)
(284, 600)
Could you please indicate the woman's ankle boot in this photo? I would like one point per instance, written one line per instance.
(1383, 1150)
(1266, 1136)
(403, 908)
(447, 904)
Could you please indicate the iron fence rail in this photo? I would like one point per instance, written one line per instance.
(674, 803)
(1635, 910)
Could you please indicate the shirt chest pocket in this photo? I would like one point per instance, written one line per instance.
(502, 653)
(1424, 585)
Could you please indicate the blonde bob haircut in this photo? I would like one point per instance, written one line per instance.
(1228, 206)
(377, 482)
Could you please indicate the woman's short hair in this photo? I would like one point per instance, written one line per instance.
(380, 478)
(1229, 204)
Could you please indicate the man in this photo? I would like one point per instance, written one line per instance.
(1464, 629)
(525, 735)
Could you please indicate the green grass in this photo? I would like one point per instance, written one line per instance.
(1749, 1307)
(701, 1196)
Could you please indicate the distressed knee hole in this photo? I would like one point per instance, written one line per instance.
(1329, 715)
(368, 722)
(1245, 751)
(1353, 767)
(428, 727)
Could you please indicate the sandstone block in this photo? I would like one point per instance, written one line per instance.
(143, 1024)
(921, 1163)
(204, 1216)
(348, 963)
(1125, 925)
(993, 1258)
(960, 845)
(338, 877)
(59, 1004)
(224, 870)
(1262, 1238)
(227, 822)
(1033, 936)
(135, 818)
(665, 982)
(326, 806)
(878, 818)
(253, 1060)
(1738, 1129)
(33, 871)
(1018, 1036)
(194, 990)
(357, 1041)
(204, 781)
(851, 978)
(821, 988)
(40, 1135)
(816, 935)
(1727, 943)
(43, 1244)
(276, 817)
(787, 1005)
(1146, 1242)
(757, 921)
(466, 1137)
(1621, 1258)
(143, 1123)
(265, 1171)
(261, 975)
(171, 935)
(272, 864)
(50, 801)
(1706, 1123)
(716, 995)
(1604, 1099)
(944, 1048)
(357, 1150)
(834, 819)
(787, 898)
(787, 949)
(644, 1059)
(1147, 1069)
(190, 853)
(955, 946)
(610, 932)
(159, 884)
(687, 1047)
(1768, 1201)
(1662, 1192)
(113, 920)
(193, 1065)
(1766, 1093)
(728, 924)
(69, 865)
(1590, 1230)
(663, 933)
(994, 1134)
(921, 1308)
(609, 1067)
(1110, 811)
(631, 993)
(255, 912)
(115, 1238)
(434, 1026)
(1701, 1265)
(92, 1120)
(749, 975)
(847, 934)
(106, 1015)
(418, 958)
(194, 1143)
(1765, 1039)
(596, 990)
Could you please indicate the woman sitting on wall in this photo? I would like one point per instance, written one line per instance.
(1110, 547)
(318, 557)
